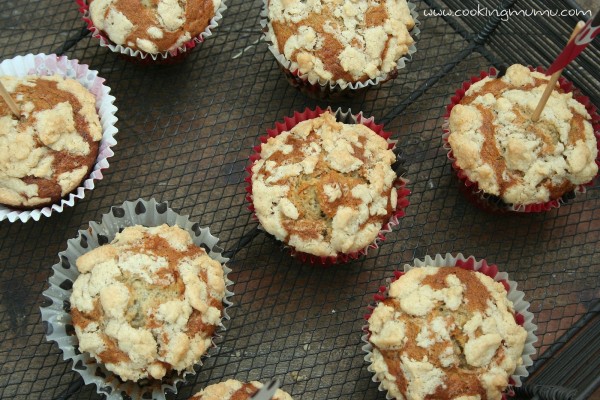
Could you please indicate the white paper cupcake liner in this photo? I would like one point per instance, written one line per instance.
(57, 318)
(332, 88)
(51, 64)
(346, 117)
(521, 308)
(117, 48)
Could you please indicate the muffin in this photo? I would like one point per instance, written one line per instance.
(147, 303)
(52, 147)
(156, 28)
(520, 163)
(339, 43)
(147, 238)
(58, 73)
(232, 389)
(326, 189)
(447, 333)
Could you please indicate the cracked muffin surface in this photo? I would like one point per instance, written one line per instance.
(445, 333)
(341, 41)
(499, 147)
(152, 26)
(325, 187)
(147, 303)
(52, 147)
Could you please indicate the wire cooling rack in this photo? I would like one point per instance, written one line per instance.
(185, 134)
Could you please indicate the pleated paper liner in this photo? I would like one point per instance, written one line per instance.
(51, 64)
(171, 56)
(494, 204)
(522, 315)
(56, 315)
(399, 185)
(325, 89)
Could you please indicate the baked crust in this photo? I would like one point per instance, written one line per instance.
(235, 390)
(324, 187)
(445, 333)
(341, 41)
(147, 303)
(152, 26)
(50, 150)
(497, 145)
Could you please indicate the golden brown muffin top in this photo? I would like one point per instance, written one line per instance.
(324, 187)
(235, 390)
(498, 146)
(341, 40)
(46, 153)
(148, 302)
(445, 333)
(152, 26)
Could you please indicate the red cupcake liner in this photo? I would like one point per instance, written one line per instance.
(522, 315)
(172, 56)
(491, 203)
(348, 117)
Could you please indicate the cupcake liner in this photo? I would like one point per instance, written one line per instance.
(493, 203)
(43, 65)
(325, 89)
(523, 316)
(169, 56)
(348, 118)
(230, 389)
(57, 317)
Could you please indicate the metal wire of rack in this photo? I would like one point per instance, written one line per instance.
(185, 134)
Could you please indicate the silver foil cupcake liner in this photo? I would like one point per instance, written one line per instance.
(323, 89)
(56, 315)
(521, 309)
(51, 64)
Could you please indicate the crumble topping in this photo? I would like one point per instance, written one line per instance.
(235, 390)
(342, 41)
(498, 146)
(445, 333)
(148, 302)
(324, 187)
(152, 26)
(46, 153)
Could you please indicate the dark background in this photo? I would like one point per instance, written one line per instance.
(185, 134)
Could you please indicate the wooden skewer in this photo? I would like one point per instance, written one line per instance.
(11, 103)
(553, 79)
